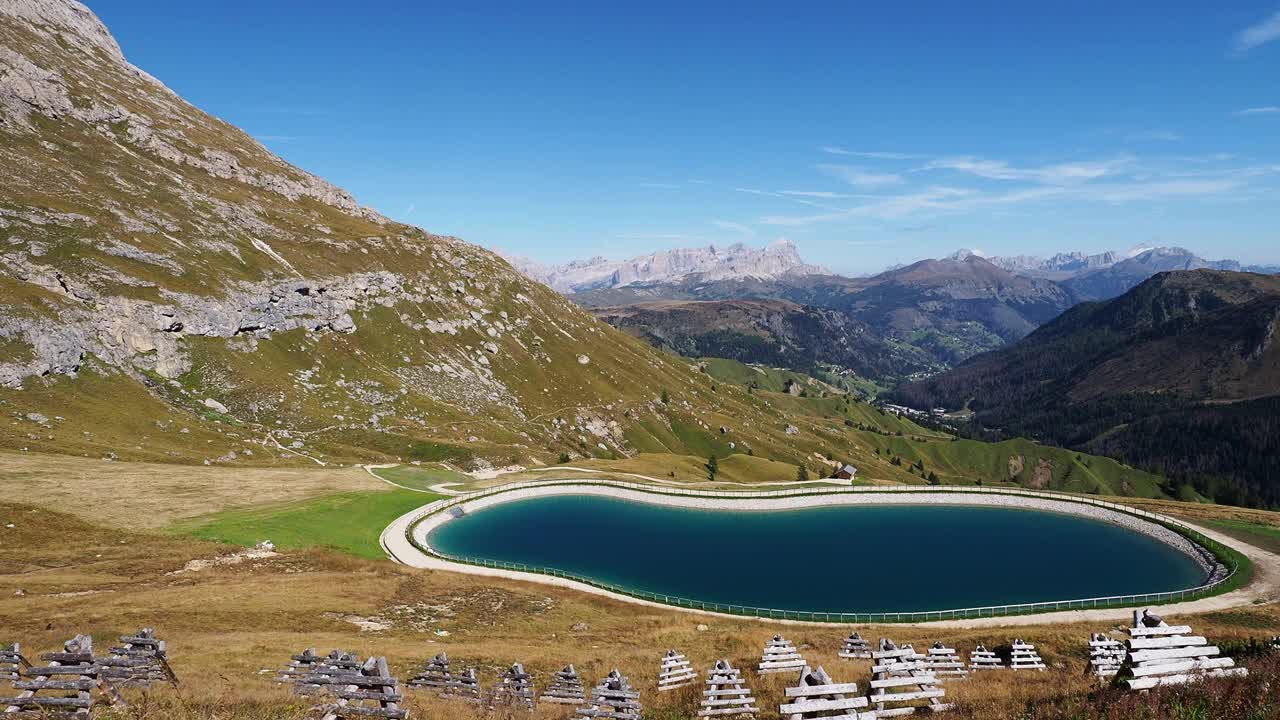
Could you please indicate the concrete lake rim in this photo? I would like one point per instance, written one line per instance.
(404, 540)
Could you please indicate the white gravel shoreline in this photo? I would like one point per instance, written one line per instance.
(1201, 556)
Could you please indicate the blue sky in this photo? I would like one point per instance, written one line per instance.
(869, 133)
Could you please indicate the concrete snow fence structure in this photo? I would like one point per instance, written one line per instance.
(727, 694)
(1162, 654)
(566, 689)
(64, 688)
(369, 692)
(1025, 657)
(980, 658)
(435, 676)
(855, 648)
(676, 672)
(138, 661)
(12, 662)
(944, 662)
(1106, 655)
(515, 687)
(817, 697)
(780, 656)
(465, 687)
(900, 678)
(613, 698)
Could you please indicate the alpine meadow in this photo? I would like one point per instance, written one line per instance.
(680, 403)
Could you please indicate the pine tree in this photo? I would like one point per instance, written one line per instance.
(666, 397)
(713, 467)
(802, 474)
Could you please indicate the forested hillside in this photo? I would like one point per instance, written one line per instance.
(1180, 375)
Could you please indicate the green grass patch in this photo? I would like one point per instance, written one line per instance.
(347, 522)
(418, 477)
(1266, 537)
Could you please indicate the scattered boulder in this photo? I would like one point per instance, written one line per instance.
(215, 406)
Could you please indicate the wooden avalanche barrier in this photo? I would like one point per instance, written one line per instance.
(1162, 654)
(1106, 655)
(299, 667)
(64, 688)
(515, 687)
(435, 676)
(1025, 657)
(676, 672)
(727, 694)
(818, 697)
(855, 648)
(780, 656)
(944, 662)
(899, 677)
(465, 687)
(983, 659)
(138, 661)
(613, 698)
(12, 662)
(369, 692)
(337, 663)
(567, 688)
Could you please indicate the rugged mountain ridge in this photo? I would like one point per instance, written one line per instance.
(170, 290)
(780, 258)
(1180, 374)
(921, 318)
(1059, 265)
(776, 333)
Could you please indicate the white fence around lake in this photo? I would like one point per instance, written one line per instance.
(1221, 553)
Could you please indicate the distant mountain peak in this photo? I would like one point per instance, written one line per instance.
(780, 258)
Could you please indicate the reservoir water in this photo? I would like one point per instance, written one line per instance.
(837, 559)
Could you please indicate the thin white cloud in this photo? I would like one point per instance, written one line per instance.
(735, 227)
(1118, 194)
(1265, 31)
(860, 177)
(792, 196)
(412, 207)
(872, 155)
(1267, 110)
(660, 185)
(938, 200)
(1059, 174)
(816, 194)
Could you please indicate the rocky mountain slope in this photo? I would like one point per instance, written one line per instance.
(170, 290)
(1118, 278)
(921, 318)
(776, 333)
(1060, 265)
(736, 262)
(1181, 374)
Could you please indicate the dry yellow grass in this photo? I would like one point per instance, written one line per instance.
(228, 624)
(154, 495)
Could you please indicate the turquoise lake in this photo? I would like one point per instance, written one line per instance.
(837, 559)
